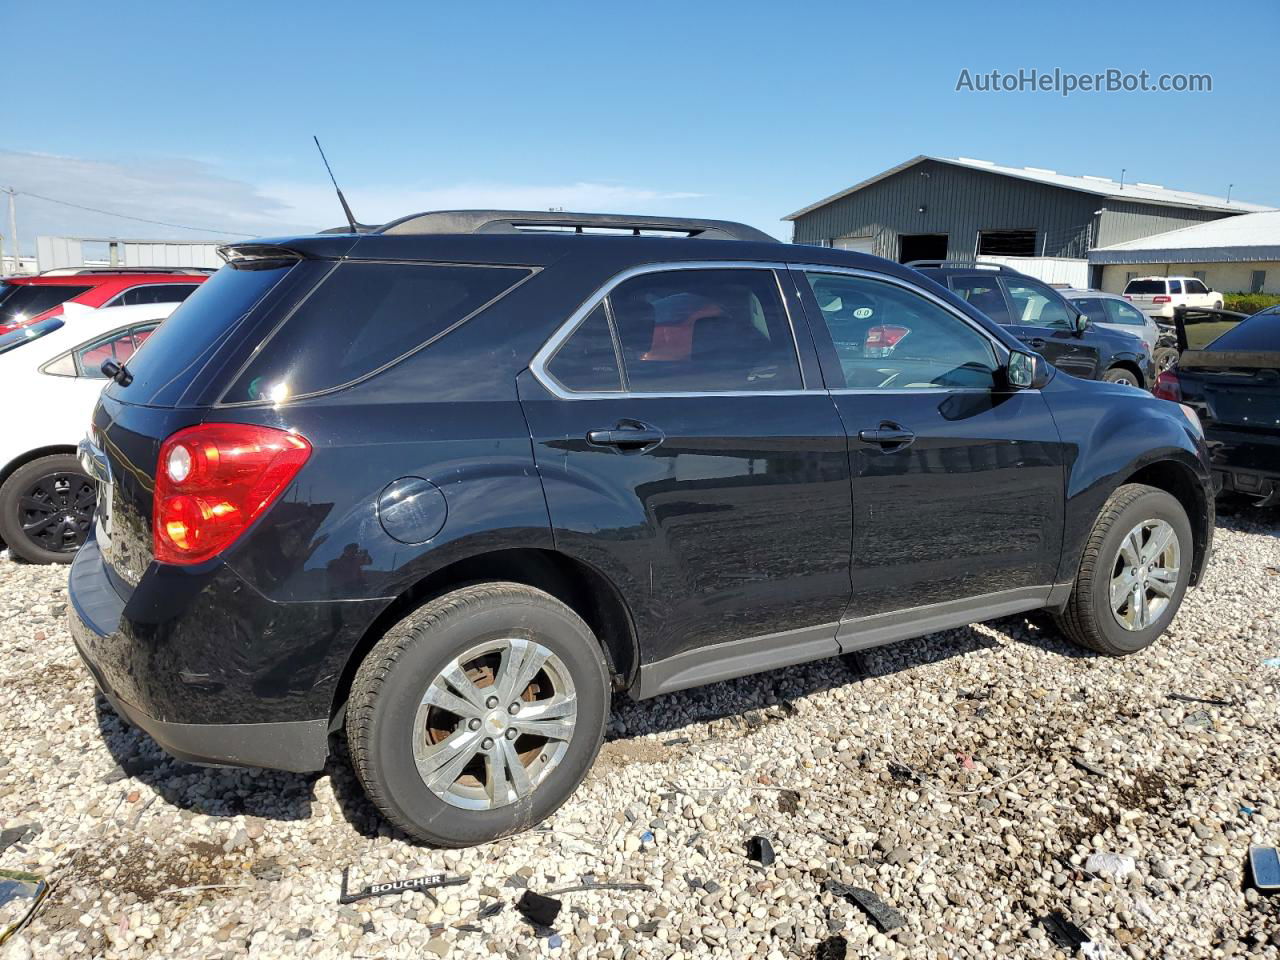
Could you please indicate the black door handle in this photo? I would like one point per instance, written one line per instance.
(1036, 342)
(890, 436)
(627, 435)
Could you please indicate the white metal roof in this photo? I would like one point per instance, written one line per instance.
(1100, 186)
(1254, 236)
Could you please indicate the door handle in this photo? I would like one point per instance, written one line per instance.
(627, 435)
(1034, 342)
(889, 435)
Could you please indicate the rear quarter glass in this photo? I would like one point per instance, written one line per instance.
(180, 346)
(20, 302)
(363, 317)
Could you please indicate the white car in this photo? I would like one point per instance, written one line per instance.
(1157, 296)
(50, 378)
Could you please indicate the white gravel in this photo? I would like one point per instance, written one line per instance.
(945, 780)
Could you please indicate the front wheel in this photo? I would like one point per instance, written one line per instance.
(1164, 358)
(478, 714)
(46, 509)
(1133, 573)
(1121, 375)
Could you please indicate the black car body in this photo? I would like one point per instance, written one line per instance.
(1046, 321)
(1228, 371)
(477, 408)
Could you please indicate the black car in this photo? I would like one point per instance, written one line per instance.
(1046, 321)
(1228, 371)
(453, 484)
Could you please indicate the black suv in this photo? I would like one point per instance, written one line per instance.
(454, 483)
(1046, 321)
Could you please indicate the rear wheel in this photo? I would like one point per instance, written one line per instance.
(478, 714)
(1133, 574)
(46, 508)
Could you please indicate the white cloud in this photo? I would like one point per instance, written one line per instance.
(193, 192)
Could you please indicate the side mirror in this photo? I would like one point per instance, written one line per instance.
(1082, 323)
(1021, 371)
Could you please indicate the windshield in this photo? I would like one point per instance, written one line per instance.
(20, 302)
(34, 331)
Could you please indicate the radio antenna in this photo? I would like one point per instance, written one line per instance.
(346, 209)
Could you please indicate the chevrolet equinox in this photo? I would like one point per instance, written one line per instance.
(453, 483)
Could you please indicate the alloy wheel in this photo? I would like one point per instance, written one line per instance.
(1144, 577)
(494, 723)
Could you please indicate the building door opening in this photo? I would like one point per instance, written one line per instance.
(922, 246)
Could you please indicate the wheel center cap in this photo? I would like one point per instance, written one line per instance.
(496, 722)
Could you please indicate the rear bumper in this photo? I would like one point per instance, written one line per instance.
(97, 620)
(1245, 463)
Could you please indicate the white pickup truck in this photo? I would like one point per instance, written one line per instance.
(1157, 296)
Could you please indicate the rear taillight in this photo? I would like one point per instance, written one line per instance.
(1167, 387)
(1129, 298)
(881, 339)
(1160, 298)
(213, 481)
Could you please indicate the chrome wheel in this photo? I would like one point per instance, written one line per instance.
(1144, 577)
(494, 723)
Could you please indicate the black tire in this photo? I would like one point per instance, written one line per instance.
(37, 480)
(389, 686)
(1122, 375)
(1164, 358)
(1087, 618)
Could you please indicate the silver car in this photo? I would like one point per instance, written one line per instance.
(1114, 312)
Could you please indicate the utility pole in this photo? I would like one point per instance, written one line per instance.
(13, 230)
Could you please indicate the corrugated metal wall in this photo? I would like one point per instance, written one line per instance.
(959, 202)
(1133, 221)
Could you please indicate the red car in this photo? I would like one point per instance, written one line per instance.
(28, 300)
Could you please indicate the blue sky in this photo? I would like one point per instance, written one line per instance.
(741, 110)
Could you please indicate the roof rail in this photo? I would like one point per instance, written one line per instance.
(973, 264)
(95, 271)
(529, 221)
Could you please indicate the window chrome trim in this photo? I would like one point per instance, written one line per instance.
(999, 345)
(538, 365)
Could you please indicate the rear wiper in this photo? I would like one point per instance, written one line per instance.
(117, 372)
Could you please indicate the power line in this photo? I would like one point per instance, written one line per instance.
(125, 216)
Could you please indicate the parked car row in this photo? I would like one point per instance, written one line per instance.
(1057, 328)
(454, 483)
(56, 330)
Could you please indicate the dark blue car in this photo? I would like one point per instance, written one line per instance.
(454, 483)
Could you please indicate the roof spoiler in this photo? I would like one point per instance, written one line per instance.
(528, 221)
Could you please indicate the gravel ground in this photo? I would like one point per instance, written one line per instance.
(964, 778)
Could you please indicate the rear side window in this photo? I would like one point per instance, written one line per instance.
(20, 302)
(1144, 288)
(984, 294)
(361, 318)
(684, 331)
(1175, 286)
(154, 293)
(587, 362)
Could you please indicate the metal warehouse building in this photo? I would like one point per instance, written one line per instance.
(933, 208)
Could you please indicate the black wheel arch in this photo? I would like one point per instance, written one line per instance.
(575, 583)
